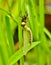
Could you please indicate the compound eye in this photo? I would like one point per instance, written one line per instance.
(23, 24)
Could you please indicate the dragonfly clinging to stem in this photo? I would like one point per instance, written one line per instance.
(26, 28)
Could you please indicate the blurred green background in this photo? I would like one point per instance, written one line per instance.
(11, 12)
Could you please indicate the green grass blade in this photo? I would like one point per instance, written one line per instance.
(9, 35)
(47, 33)
(20, 40)
(3, 46)
(19, 54)
(9, 14)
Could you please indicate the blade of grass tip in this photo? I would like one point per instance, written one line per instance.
(19, 54)
(3, 45)
(9, 14)
(5, 39)
(9, 34)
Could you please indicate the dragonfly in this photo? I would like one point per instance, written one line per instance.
(27, 34)
(26, 28)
